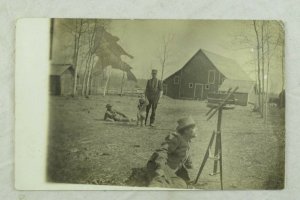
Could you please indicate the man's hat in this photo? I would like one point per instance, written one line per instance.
(108, 106)
(185, 123)
(154, 71)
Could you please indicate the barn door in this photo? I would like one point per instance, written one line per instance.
(198, 91)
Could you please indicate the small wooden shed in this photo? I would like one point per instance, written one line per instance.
(61, 79)
(245, 93)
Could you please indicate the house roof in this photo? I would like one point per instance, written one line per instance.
(228, 67)
(244, 86)
(59, 69)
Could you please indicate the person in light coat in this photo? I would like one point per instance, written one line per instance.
(169, 165)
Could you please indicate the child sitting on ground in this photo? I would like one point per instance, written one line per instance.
(113, 115)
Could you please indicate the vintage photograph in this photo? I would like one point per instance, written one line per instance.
(181, 104)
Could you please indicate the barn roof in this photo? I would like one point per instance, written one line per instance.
(59, 69)
(244, 86)
(228, 67)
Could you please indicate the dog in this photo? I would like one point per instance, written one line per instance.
(141, 113)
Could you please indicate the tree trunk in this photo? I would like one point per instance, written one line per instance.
(163, 62)
(262, 69)
(267, 87)
(107, 73)
(83, 90)
(75, 82)
(89, 78)
(258, 64)
(105, 86)
(282, 70)
(75, 74)
(94, 61)
(91, 84)
(162, 71)
(75, 63)
(77, 37)
(122, 83)
(91, 61)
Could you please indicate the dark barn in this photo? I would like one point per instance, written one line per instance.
(61, 79)
(202, 74)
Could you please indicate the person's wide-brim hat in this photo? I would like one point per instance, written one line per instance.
(184, 123)
(108, 106)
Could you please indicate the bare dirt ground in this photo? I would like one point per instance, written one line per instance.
(85, 149)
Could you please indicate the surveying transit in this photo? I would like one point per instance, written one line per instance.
(217, 104)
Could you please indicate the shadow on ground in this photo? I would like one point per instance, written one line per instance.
(138, 177)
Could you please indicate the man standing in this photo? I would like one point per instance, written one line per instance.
(153, 93)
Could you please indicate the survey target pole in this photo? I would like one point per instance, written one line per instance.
(218, 141)
(218, 156)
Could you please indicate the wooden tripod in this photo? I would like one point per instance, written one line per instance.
(217, 137)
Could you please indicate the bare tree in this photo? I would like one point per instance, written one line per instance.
(270, 37)
(90, 77)
(91, 42)
(94, 27)
(265, 41)
(77, 28)
(258, 63)
(263, 67)
(281, 42)
(78, 31)
(107, 73)
(165, 52)
(268, 41)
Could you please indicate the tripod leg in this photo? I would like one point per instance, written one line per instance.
(216, 155)
(218, 138)
(221, 161)
(205, 157)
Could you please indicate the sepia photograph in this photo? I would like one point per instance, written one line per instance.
(167, 104)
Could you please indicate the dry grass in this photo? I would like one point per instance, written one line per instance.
(85, 149)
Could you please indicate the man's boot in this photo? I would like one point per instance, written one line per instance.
(146, 118)
(151, 122)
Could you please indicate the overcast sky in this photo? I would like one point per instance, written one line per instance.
(143, 39)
